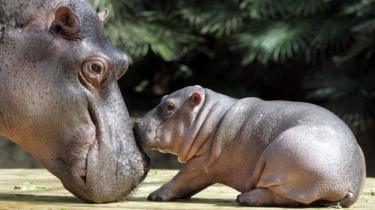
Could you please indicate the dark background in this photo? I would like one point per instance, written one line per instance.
(319, 51)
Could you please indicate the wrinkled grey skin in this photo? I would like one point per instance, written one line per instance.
(276, 153)
(59, 97)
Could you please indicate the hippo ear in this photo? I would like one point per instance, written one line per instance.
(64, 22)
(195, 98)
(103, 15)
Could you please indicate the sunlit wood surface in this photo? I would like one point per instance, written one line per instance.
(38, 189)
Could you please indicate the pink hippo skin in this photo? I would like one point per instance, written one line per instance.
(276, 153)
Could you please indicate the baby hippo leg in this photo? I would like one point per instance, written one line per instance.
(190, 180)
(263, 197)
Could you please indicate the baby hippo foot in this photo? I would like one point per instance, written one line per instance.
(161, 195)
(263, 197)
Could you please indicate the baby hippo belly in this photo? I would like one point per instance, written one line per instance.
(307, 164)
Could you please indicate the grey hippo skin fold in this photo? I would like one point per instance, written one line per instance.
(59, 97)
(276, 153)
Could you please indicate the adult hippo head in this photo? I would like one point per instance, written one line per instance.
(59, 97)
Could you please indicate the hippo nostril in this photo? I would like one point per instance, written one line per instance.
(123, 65)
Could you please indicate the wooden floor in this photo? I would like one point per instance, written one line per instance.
(38, 189)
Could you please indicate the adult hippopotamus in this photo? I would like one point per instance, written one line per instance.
(59, 97)
(276, 153)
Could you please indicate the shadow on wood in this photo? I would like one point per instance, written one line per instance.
(39, 198)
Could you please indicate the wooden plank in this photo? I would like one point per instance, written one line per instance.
(38, 189)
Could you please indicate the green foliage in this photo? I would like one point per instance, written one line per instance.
(276, 41)
(330, 42)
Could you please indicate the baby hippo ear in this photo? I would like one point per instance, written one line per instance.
(196, 98)
(103, 15)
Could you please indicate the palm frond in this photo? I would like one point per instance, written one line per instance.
(275, 42)
(207, 20)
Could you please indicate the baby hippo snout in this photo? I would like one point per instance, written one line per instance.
(143, 132)
(138, 124)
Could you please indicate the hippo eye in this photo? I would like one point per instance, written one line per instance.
(96, 68)
(95, 71)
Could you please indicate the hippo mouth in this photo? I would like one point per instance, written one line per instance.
(94, 119)
(74, 171)
(81, 169)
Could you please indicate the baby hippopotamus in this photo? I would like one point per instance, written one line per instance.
(276, 153)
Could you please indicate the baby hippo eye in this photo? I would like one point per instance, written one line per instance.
(169, 108)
